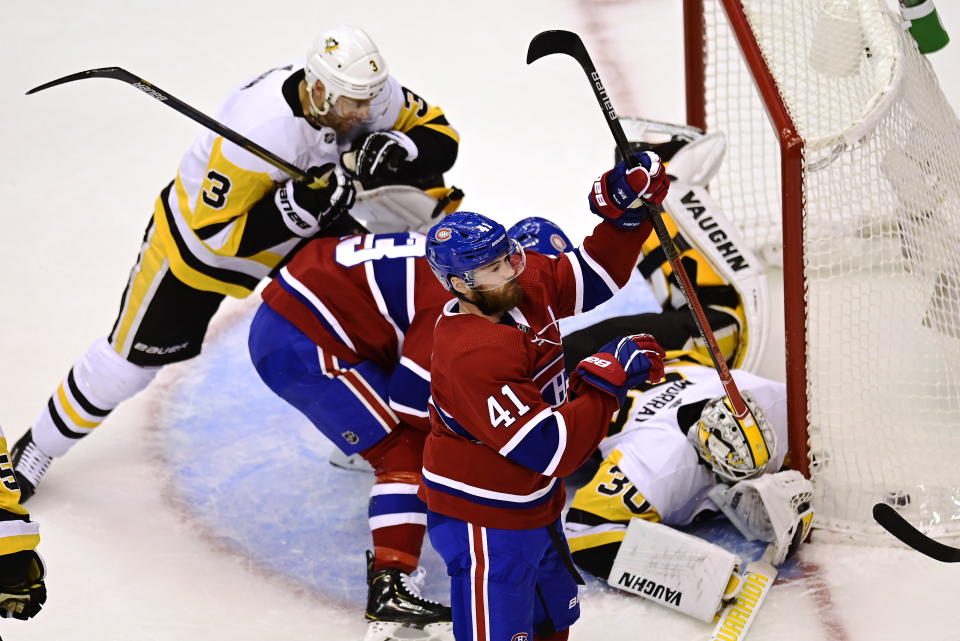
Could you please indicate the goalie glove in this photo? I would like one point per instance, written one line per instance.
(621, 365)
(22, 591)
(615, 194)
(774, 508)
(304, 209)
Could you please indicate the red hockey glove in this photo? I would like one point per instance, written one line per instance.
(621, 365)
(617, 189)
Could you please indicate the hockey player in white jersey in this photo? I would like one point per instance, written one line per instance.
(22, 588)
(229, 218)
(679, 457)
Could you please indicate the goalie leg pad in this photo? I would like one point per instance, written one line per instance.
(394, 208)
(675, 569)
(710, 232)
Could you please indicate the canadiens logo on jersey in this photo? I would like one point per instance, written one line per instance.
(443, 234)
(330, 45)
(520, 636)
(559, 243)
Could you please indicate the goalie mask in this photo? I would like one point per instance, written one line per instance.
(735, 452)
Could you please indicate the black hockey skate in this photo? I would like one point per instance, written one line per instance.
(394, 601)
(29, 465)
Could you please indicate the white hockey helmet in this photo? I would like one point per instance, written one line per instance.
(733, 451)
(347, 63)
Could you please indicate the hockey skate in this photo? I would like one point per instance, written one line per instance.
(397, 612)
(29, 465)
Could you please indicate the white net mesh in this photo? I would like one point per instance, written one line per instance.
(881, 230)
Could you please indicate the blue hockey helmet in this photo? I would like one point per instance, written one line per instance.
(464, 242)
(540, 235)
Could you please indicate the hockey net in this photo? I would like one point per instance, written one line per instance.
(843, 167)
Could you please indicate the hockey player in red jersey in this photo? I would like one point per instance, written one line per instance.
(345, 335)
(503, 432)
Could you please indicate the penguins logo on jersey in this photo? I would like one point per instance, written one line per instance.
(330, 45)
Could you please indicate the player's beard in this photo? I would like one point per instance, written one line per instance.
(499, 300)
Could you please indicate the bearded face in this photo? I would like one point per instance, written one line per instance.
(499, 299)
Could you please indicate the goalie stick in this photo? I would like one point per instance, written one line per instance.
(736, 619)
(569, 43)
(892, 522)
(117, 73)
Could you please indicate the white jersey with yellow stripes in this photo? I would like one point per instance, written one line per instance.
(17, 531)
(650, 470)
(655, 454)
(200, 221)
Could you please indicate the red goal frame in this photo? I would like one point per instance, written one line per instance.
(792, 173)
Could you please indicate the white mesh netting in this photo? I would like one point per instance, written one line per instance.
(881, 244)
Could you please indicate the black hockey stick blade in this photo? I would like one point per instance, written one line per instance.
(898, 526)
(555, 41)
(118, 73)
(569, 43)
(103, 72)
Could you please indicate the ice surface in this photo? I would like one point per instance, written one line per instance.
(206, 510)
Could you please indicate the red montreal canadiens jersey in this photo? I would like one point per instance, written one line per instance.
(371, 298)
(502, 432)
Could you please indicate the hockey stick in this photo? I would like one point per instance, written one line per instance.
(736, 618)
(315, 182)
(898, 526)
(569, 43)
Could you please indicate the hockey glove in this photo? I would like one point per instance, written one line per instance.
(621, 365)
(22, 592)
(775, 508)
(379, 156)
(615, 193)
(304, 209)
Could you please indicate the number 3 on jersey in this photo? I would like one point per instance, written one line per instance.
(500, 415)
(216, 195)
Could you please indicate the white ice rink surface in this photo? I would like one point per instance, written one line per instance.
(136, 547)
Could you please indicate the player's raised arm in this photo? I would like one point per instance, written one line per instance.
(595, 271)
